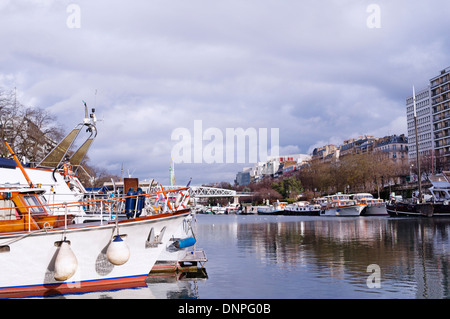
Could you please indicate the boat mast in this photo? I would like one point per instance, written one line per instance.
(417, 147)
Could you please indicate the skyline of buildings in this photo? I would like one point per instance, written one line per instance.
(393, 147)
(433, 134)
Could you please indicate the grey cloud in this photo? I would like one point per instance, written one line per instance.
(313, 69)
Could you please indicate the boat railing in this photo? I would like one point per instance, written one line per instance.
(104, 204)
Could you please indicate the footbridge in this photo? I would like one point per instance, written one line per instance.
(204, 191)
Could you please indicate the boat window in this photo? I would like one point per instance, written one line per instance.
(31, 200)
(43, 200)
(8, 210)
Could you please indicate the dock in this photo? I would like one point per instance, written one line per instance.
(191, 262)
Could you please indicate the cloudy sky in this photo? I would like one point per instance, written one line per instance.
(319, 71)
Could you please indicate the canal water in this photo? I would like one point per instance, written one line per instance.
(291, 257)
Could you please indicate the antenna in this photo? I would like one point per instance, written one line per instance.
(130, 174)
(86, 117)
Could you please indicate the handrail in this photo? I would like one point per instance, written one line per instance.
(80, 203)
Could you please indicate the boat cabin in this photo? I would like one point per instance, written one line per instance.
(337, 197)
(341, 203)
(372, 202)
(24, 209)
(440, 190)
(361, 196)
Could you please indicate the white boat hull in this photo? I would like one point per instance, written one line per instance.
(27, 265)
(375, 211)
(171, 253)
(354, 210)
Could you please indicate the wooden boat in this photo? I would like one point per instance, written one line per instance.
(341, 205)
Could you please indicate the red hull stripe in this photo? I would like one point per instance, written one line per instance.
(73, 287)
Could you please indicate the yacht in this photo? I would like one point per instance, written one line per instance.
(302, 208)
(276, 208)
(375, 206)
(341, 205)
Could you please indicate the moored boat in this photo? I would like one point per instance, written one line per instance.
(277, 208)
(42, 249)
(52, 254)
(302, 209)
(374, 206)
(341, 205)
(435, 205)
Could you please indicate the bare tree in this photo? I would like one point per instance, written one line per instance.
(31, 131)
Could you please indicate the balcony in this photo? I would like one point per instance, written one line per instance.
(442, 143)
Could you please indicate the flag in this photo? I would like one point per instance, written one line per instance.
(172, 173)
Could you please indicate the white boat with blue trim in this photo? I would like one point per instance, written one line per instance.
(40, 251)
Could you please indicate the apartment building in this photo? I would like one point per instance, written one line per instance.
(440, 108)
(321, 153)
(394, 147)
(433, 121)
(360, 145)
(424, 123)
(274, 167)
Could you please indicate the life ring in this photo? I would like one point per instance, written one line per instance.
(67, 171)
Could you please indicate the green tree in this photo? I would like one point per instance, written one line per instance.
(289, 187)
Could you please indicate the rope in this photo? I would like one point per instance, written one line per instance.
(22, 237)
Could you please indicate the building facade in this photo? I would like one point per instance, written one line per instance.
(440, 105)
(433, 122)
(424, 123)
(395, 148)
(274, 166)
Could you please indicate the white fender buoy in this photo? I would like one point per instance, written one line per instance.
(66, 263)
(118, 252)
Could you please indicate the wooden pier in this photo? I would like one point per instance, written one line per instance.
(191, 262)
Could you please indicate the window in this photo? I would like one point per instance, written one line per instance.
(8, 211)
(31, 200)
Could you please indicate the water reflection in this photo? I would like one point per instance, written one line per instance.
(182, 285)
(309, 257)
(317, 257)
(412, 253)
